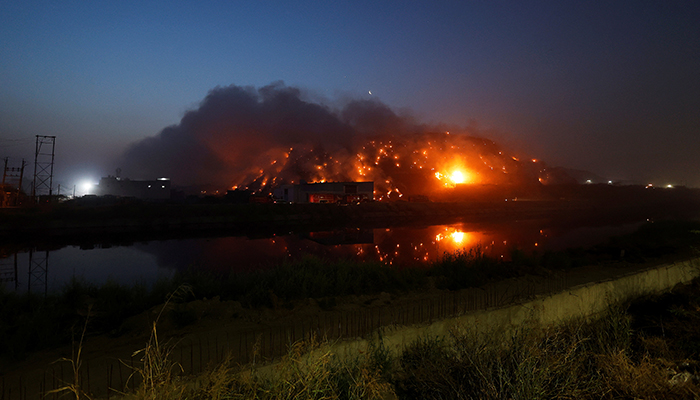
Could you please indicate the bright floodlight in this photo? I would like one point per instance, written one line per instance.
(87, 187)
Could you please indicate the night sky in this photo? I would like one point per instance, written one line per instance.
(612, 87)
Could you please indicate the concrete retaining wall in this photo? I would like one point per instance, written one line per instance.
(581, 301)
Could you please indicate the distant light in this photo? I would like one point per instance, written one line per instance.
(650, 185)
(87, 187)
(589, 181)
(163, 179)
(669, 186)
(609, 182)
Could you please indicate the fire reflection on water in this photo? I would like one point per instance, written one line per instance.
(397, 247)
(411, 247)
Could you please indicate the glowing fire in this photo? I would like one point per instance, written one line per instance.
(457, 177)
(457, 238)
(398, 165)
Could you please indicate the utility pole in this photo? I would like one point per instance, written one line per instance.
(11, 173)
(43, 166)
(21, 176)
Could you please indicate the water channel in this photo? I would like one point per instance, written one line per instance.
(46, 271)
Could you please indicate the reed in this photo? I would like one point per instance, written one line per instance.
(156, 370)
(75, 386)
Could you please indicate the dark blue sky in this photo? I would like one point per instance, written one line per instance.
(608, 86)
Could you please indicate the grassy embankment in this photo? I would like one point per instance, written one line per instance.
(32, 322)
(644, 348)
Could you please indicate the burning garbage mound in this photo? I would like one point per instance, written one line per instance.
(412, 164)
(242, 137)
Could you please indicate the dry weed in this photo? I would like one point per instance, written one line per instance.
(156, 368)
(76, 364)
(646, 379)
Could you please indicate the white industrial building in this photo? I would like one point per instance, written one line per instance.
(326, 192)
(158, 189)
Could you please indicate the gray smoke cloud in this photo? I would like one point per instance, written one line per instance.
(243, 137)
(237, 131)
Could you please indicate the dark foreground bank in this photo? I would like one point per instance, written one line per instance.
(646, 348)
(32, 322)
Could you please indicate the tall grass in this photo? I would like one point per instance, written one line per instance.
(577, 360)
(156, 368)
(76, 362)
(313, 277)
(464, 269)
(573, 361)
(306, 372)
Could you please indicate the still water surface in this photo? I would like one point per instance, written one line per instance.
(42, 271)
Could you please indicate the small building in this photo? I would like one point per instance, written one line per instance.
(158, 189)
(326, 192)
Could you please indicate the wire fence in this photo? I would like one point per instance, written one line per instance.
(194, 354)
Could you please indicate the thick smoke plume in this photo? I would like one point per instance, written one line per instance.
(242, 137)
